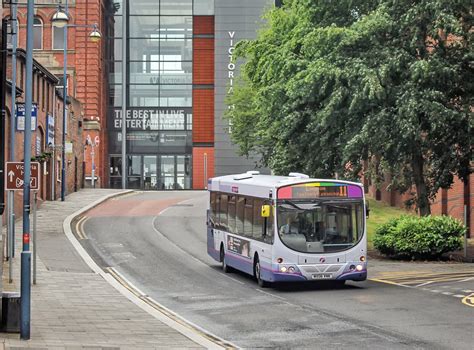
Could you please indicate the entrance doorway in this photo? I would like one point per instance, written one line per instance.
(159, 172)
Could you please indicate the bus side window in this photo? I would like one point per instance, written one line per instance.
(223, 212)
(248, 217)
(217, 223)
(213, 209)
(239, 225)
(257, 219)
(231, 217)
(269, 233)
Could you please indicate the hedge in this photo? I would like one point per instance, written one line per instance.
(419, 237)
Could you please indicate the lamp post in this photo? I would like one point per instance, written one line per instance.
(61, 19)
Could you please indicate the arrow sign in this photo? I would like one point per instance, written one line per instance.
(14, 176)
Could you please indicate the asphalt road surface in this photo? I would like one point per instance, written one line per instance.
(157, 241)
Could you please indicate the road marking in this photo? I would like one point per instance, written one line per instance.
(447, 293)
(233, 279)
(80, 228)
(468, 300)
(423, 284)
(468, 291)
(458, 296)
(467, 279)
(414, 280)
(271, 294)
(167, 312)
(389, 282)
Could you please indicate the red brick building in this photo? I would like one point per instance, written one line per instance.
(47, 137)
(86, 80)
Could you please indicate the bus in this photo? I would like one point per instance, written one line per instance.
(288, 228)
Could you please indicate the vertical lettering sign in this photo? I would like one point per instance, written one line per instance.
(50, 131)
(20, 117)
(230, 72)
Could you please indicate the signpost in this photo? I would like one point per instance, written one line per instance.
(15, 173)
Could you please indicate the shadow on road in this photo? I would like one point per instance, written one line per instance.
(292, 286)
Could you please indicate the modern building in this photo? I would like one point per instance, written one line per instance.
(174, 60)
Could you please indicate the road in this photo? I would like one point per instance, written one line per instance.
(157, 241)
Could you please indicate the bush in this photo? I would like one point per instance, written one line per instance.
(419, 238)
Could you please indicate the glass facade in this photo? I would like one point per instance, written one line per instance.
(159, 39)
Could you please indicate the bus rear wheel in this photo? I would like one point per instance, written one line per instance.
(257, 271)
(226, 268)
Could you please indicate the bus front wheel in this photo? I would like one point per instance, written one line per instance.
(225, 267)
(257, 272)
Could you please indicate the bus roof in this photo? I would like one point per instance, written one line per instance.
(253, 184)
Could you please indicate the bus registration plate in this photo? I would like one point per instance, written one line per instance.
(322, 276)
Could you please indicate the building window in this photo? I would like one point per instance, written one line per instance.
(10, 36)
(58, 38)
(203, 7)
(37, 34)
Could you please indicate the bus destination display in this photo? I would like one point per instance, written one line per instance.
(319, 190)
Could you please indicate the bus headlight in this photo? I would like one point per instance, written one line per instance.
(291, 269)
(283, 269)
(359, 267)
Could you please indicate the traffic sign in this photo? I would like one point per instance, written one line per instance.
(14, 175)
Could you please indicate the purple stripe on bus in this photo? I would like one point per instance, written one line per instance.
(354, 191)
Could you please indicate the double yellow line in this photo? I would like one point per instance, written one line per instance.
(80, 228)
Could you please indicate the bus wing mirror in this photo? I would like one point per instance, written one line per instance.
(265, 211)
(367, 210)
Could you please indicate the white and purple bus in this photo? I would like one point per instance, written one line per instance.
(288, 228)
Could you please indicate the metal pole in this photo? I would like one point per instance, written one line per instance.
(124, 95)
(63, 159)
(26, 254)
(12, 247)
(93, 164)
(11, 194)
(53, 157)
(35, 202)
(205, 170)
(465, 233)
(3, 114)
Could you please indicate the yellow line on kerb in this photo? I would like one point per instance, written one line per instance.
(468, 300)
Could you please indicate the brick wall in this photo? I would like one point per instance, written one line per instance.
(203, 99)
(199, 182)
(447, 201)
(91, 80)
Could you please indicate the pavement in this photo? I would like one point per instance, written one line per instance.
(74, 307)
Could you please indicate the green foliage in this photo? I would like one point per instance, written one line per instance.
(419, 238)
(328, 85)
(43, 157)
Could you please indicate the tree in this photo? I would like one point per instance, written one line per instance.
(327, 85)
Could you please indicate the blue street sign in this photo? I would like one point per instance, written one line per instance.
(20, 117)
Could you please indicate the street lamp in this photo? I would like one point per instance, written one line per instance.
(61, 19)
